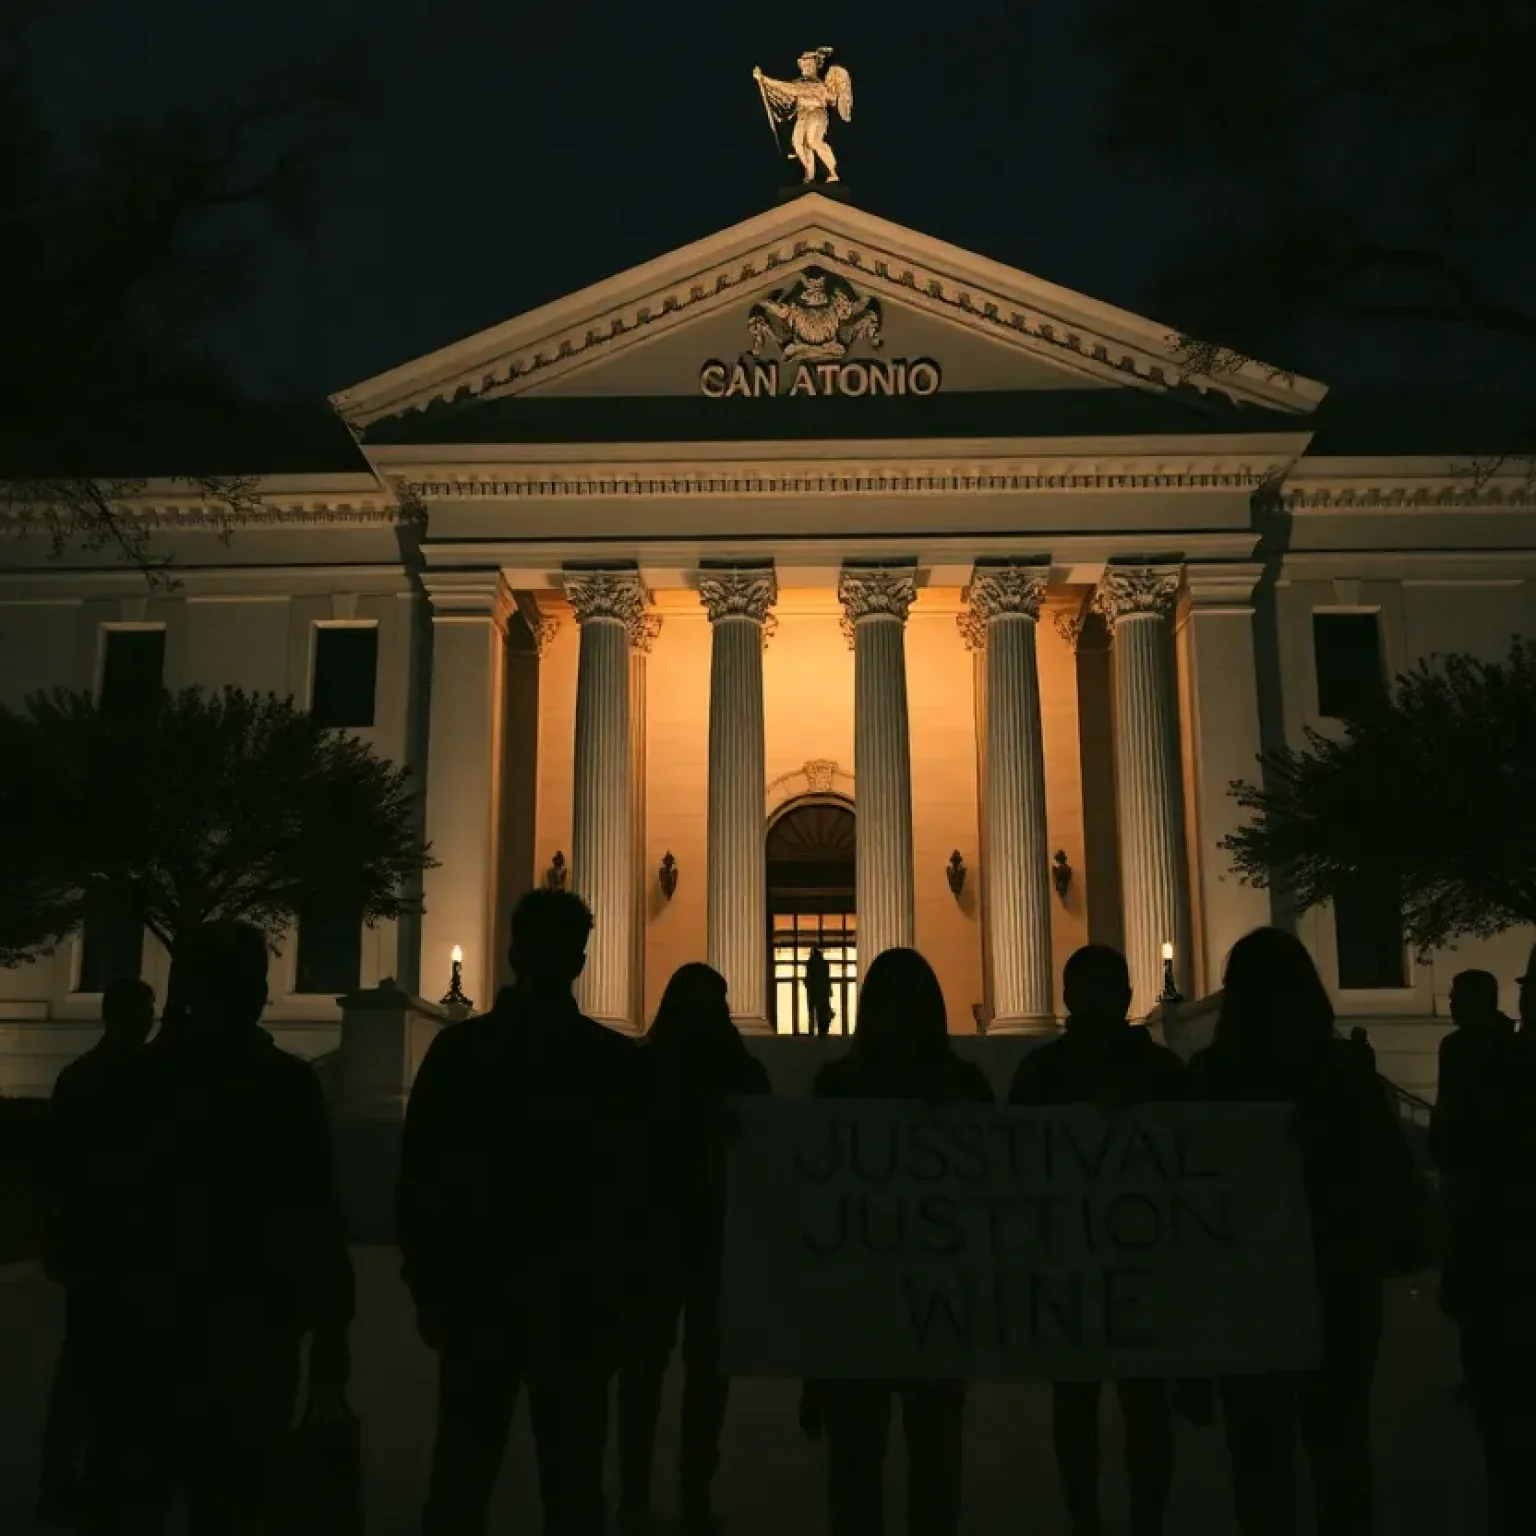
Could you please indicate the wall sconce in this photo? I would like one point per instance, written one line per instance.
(1061, 873)
(1171, 993)
(666, 876)
(554, 876)
(455, 995)
(954, 872)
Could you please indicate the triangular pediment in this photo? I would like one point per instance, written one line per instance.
(811, 298)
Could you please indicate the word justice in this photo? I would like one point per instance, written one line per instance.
(721, 381)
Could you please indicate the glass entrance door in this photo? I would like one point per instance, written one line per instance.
(795, 935)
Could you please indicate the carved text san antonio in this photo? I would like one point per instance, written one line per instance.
(720, 381)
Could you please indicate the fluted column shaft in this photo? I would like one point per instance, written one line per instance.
(1007, 602)
(876, 602)
(1137, 602)
(737, 873)
(609, 608)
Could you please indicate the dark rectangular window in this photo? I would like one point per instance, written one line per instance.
(132, 670)
(1368, 924)
(1350, 676)
(346, 672)
(111, 948)
(330, 956)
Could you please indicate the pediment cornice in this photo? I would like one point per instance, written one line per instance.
(877, 468)
(1406, 483)
(1040, 318)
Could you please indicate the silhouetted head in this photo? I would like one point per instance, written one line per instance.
(903, 1027)
(220, 975)
(128, 1012)
(693, 1006)
(692, 1034)
(1096, 986)
(550, 930)
(1474, 998)
(1528, 993)
(1274, 1003)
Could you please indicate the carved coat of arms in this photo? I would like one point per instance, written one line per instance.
(817, 318)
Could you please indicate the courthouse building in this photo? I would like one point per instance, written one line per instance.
(817, 584)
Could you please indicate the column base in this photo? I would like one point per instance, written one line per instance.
(1022, 1025)
(618, 1026)
(751, 1024)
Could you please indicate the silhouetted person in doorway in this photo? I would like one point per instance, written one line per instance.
(1275, 1042)
(818, 992)
(1483, 1135)
(85, 1112)
(697, 1060)
(1104, 1060)
(519, 1213)
(259, 1258)
(901, 1050)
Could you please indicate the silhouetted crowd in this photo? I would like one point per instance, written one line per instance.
(560, 1214)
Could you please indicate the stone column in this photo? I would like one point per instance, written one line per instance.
(1216, 637)
(875, 602)
(462, 799)
(1136, 602)
(610, 608)
(737, 603)
(1005, 601)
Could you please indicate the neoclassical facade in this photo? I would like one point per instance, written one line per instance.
(816, 585)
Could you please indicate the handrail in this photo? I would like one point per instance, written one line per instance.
(1410, 1106)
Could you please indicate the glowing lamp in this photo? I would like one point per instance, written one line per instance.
(454, 999)
(1171, 993)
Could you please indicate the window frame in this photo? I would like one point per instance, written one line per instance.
(316, 627)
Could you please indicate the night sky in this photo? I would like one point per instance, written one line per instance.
(521, 152)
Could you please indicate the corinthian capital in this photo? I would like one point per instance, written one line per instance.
(743, 594)
(873, 591)
(1128, 591)
(616, 595)
(1000, 590)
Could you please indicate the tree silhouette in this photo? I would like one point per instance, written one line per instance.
(119, 252)
(1434, 790)
(213, 805)
(1335, 161)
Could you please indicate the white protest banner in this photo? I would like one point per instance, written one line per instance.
(877, 1239)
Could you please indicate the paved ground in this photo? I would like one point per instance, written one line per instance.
(771, 1481)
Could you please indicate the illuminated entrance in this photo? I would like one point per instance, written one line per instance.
(811, 906)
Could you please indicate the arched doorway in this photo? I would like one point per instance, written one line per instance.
(811, 846)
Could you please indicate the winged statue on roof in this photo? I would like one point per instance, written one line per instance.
(809, 102)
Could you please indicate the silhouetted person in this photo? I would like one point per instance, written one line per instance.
(818, 992)
(259, 1259)
(697, 1060)
(1275, 1041)
(1104, 1060)
(1360, 1038)
(901, 1050)
(1527, 1004)
(81, 1151)
(1482, 1136)
(522, 1242)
